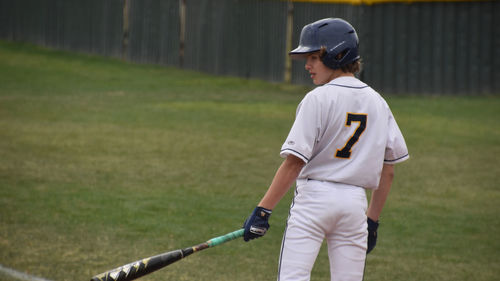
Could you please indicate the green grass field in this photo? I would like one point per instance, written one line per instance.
(104, 162)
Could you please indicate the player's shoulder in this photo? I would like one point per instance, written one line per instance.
(314, 94)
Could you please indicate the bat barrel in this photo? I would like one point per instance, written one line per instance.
(140, 268)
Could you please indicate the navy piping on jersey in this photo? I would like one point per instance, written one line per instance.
(297, 153)
(352, 87)
(396, 159)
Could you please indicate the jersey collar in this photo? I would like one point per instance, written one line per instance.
(347, 82)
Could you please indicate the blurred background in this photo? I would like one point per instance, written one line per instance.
(408, 46)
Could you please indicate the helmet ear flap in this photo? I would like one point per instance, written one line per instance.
(333, 60)
(341, 55)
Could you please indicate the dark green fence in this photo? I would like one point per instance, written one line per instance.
(407, 48)
(153, 31)
(92, 26)
(236, 37)
(435, 47)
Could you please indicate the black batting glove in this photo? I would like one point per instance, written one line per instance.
(256, 225)
(372, 234)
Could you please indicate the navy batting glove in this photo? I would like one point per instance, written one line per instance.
(256, 225)
(372, 234)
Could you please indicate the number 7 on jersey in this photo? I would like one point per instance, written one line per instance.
(345, 152)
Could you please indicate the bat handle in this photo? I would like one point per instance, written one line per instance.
(224, 238)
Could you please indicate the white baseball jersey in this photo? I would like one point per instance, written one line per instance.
(344, 131)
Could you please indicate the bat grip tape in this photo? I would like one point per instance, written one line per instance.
(224, 238)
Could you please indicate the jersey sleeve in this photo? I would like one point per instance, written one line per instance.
(304, 132)
(396, 150)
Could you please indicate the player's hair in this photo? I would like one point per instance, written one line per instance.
(353, 67)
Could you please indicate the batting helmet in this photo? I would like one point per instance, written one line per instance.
(336, 36)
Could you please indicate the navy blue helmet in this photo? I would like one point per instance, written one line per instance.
(335, 35)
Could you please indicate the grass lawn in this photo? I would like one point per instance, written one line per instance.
(104, 162)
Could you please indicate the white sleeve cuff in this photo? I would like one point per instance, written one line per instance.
(397, 160)
(285, 152)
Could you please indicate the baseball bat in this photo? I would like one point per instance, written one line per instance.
(145, 266)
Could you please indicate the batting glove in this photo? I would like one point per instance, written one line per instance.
(372, 234)
(256, 225)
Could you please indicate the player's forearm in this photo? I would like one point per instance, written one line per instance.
(379, 196)
(284, 178)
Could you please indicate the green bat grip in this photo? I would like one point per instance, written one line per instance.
(224, 238)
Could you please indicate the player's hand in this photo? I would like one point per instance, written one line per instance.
(372, 234)
(256, 225)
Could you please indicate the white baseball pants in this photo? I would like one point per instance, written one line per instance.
(325, 210)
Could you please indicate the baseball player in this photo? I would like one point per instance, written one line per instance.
(344, 140)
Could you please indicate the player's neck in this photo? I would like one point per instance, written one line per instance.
(339, 73)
